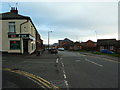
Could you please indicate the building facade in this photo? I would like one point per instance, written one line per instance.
(66, 43)
(88, 45)
(39, 42)
(110, 44)
(18, 33)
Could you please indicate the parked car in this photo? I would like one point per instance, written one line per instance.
(107, 51)
(61, 49)
(54, 51)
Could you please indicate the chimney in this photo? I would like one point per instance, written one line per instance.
(14, 10)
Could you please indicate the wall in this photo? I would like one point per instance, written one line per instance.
(26, 29)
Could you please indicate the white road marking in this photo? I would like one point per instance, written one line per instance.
(63, 71)
(106, 59)
(65, 76)
(77, 60)
(66, 83)
(62, 64)
(57, 60)
(94, 63)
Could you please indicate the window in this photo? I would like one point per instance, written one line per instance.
(11, 26)
(101, 47)
(14, 45)
(111, 47)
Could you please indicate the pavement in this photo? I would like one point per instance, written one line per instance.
(68, 69)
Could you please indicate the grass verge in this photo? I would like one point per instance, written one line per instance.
(114, 55)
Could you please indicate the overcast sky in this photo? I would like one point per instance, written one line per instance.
(78, 21)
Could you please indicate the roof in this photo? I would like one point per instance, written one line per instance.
(90, 41)
(105, 42)
(68, 40)
(11, 15)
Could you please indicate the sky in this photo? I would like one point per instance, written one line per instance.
(78, 21)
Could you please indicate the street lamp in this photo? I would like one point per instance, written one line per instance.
(96, 34)
(48, 38)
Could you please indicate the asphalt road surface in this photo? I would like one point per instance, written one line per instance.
(68, 69)
(85, 71)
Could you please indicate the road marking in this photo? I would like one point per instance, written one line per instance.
(77, 60)
(106, 59)
(36, 78)
(65, 76)
(57, 60)
(63, 71)
(110, 60)
(66, 83)
(62, 64)
(94, 63)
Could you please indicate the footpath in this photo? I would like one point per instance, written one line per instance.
(44, 55)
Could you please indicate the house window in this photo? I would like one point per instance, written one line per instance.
(14, 45)
(101, 47)
(11, 26)
(111, 47)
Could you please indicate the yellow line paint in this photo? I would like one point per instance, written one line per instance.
(32, 76)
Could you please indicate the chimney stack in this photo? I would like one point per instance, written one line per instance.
(14, 10)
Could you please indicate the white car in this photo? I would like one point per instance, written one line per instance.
(61, 49)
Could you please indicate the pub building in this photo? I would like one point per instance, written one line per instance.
(18, 33)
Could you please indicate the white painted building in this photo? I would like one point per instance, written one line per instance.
(18, 33)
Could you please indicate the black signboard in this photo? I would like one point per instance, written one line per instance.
(18, 35)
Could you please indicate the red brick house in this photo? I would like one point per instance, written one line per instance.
(77, 46)
(66, 43)
(89, 45)
(110, 44)
(39, 42)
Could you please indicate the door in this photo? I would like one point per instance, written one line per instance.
(25, 46)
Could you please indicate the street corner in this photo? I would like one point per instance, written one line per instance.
(22, 79)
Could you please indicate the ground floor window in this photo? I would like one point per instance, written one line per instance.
(101, 47)
(14, 45)
(111, 47)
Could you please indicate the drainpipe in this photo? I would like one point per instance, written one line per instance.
(20, 34)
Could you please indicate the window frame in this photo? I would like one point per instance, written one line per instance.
(16, 41)
(14, 27)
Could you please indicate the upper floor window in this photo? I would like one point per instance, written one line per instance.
(11, 26)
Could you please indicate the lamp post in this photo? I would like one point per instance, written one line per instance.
(96, 35)
(48, 38)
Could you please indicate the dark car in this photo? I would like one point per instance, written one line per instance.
(54, 51)
(107, 51)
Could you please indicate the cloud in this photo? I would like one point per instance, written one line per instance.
(72, 20)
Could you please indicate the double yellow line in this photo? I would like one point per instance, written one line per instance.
(40, 81)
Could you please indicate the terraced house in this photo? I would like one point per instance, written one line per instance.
(18, 33)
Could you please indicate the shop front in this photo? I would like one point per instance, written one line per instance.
(21, 43)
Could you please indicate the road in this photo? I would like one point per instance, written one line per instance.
(84, 71)
(69, 69)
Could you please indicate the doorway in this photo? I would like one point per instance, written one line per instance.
(25, 46)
